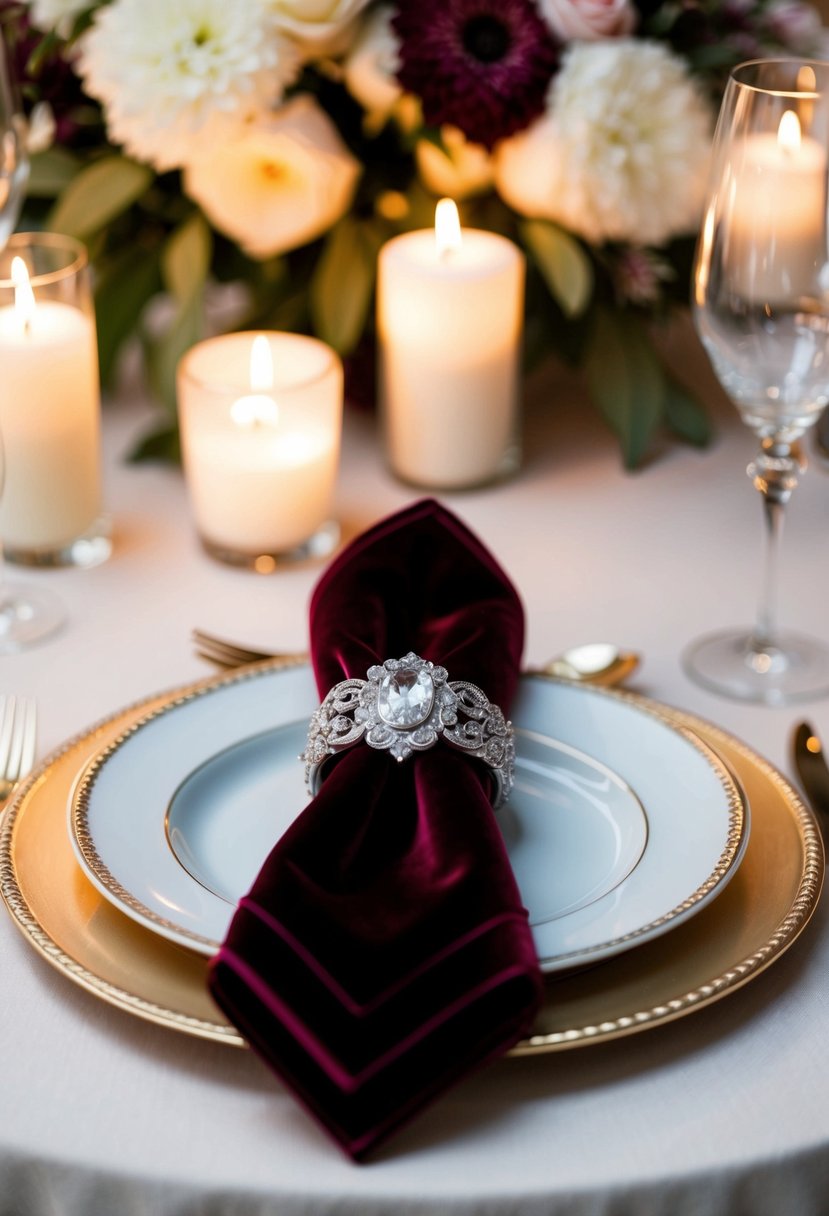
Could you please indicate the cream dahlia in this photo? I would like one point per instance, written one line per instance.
(622, 151)
(174, 78)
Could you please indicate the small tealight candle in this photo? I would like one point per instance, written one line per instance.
(449, 315)
(261, 417)
(49, 405)
(777, 239)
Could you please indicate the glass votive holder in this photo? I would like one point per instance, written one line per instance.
(50, 506)
(260, 417)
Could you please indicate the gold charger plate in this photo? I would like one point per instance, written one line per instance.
(755, 919)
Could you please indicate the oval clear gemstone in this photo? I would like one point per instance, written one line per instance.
(406, 697)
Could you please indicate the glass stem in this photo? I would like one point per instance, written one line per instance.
(774, 474)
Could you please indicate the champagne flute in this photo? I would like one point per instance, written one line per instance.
(14, 160)
(761, 307)
(27, 614)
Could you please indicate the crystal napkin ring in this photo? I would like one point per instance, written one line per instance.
(405, 706)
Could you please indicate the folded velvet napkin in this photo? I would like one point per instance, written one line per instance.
(383, 951)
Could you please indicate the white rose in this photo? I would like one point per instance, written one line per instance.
(282, 183)
(588, 19)
(370, 66)
(462, 170)
(319, 27)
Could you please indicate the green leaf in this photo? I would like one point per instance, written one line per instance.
(685, 416)
(163, 444)
(342, 284)
(98, 194)
(51, 171)
(163, 352)
(124, 286)
(563, 262)
(185, 260)
(626, 382)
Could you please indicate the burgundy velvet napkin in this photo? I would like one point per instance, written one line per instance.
(383, 951)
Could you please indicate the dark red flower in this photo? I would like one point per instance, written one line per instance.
(482, 65)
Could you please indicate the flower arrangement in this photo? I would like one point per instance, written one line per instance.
(278, 143)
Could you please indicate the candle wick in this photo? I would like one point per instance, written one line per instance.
(27, 328)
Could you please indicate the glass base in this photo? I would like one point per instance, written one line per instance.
(27, 615)
(735, 665)
(91, 549)
(323, 542)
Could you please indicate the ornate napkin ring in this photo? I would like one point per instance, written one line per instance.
(406, 706)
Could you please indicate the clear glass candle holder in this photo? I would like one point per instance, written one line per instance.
(261, 420)
(51, 507)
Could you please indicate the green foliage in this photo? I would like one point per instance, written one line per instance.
(99, 194)
(563, 262)
(342, 284)
(634, 392)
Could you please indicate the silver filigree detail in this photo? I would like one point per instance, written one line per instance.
(405, 706)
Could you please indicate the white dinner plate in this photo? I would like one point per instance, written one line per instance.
(620, 826)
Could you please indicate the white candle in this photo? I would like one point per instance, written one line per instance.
(777, 210)
(260, 428)
(449, 316)
(49, 420)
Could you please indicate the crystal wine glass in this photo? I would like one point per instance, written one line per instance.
(26, 613)
(14, 161)
(761, 307)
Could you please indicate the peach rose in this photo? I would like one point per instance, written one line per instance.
(588, 19)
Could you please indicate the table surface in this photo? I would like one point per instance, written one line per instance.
(722, 1111)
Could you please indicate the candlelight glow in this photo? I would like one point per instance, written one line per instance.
(261, 365)
(24, 298)
(258, 408)
(447, 228)
(788, 133)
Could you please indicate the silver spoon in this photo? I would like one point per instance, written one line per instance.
(591, 663)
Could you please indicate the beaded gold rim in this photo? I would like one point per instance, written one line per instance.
(801, 906)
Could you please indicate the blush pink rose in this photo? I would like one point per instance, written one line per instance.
(588, 19)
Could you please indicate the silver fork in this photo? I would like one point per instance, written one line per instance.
(18, 734)
(229, 654)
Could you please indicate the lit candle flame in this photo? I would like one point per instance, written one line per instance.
(24, 297)
(258, 408)
(788, 133)
(261, 365)
(447, 228)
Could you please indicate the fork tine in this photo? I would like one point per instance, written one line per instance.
(18, 731)
(226, 653)
(28, 744)
(6, 728)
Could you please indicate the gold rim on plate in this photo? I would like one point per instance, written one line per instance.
(746, 928)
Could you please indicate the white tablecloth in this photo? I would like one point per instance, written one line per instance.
(724, 1111)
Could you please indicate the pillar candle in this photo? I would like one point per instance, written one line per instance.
(49, 420)
(449, 319)
(777, 215)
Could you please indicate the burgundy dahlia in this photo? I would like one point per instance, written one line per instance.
(481, 65)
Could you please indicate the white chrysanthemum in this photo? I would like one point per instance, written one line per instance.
(174, 78)
(622, 152)
(280, 184)
(56, 14)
